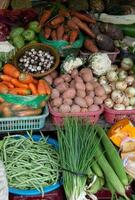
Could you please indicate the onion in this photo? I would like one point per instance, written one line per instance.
(119, 107)
(109, 103)
(103, 80)
(122, 75)
(117, 96)
(121, 85)
(132, 101)
(107, 88)
(130, 91)
(130, 80)
(126, 101)
(127, 63)
(114, 67)
(112, 76)
(129, 108)
(112, 85)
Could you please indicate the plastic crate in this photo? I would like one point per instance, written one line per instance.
(23, 123)
(58, 117)
(112, 116)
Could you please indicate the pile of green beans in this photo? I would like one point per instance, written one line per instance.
(30, 164)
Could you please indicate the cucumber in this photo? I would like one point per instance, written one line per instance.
(128, 30)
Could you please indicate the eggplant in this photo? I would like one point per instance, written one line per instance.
(104, 42)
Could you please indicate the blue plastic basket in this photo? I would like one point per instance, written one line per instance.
(46, 189)
(24, 123)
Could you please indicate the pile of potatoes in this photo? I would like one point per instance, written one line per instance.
(78, 91)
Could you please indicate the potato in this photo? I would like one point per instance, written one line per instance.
(99, 91)
(81, 102)
(57, 81)
(84, 110)
(98, 100)
(74, 73)
(89, 87)
(81, 93)
(69, 93)
(68, 101)
(64, 108)
(78, 79)
(80, 86)
(87, 77)
(95, 84)
(91, 94)
(62, 87)
(86, 71)
(54, 74)
(55, 93)
(93, 108)
(75, 108)
(49, 79)
(66, 77)
(72, 84)
(89, 100)
(55, 109)
(104, 97)
(57, 102)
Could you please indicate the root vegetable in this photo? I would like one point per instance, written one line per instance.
(57, 20)
(121, 85)
(119, 107)
(57, 102)
(68, 102)
(109, 103)
(127, 64)
(90, 46)
(114, 67)
(81, 102)
(112, 76)
(84, 110)
(57, 81)
(89, 100)
(98, 100)
(60, 32)
(75, 108)
(69, 93)
(54, 35)
(55, 109)
(93, 108)
(64, 108)
(72, 25)
(122, 75)
(80, 86)
(78, 79)
(72, 84)
(103, 80)
(129, 108)
(99, 91)
(107, 88)
(126, 101)
(104, 97)
(62, 87)
(73, 36)
(86, 77)
(84, 17)
(91, 94)
(81, 93)
(130, 80)
(112, 85)
(49, 79)
(117, 96)
(130, 91)
(95, 84)
(66, 77)
(74, 73)
(132, 101)
(89, 87)
(55, 93)
(54, 74)
(47, 32)
(86, 71)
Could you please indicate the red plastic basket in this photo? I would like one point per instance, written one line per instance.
(112, 116)
(58, 117)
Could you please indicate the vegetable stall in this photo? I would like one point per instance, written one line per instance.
(67, 100)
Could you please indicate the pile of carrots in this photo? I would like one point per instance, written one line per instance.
(66, 25)
(12, 81)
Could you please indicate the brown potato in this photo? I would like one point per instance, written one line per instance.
(75, 108)
(57, 81)
(72, 84)
(49, 79)
(55, 109)
(80, 86)
(74, 73)
(85, 70)
(99, 91)
(81, 102)
(93, 108)
(57, 102)
(81, 93)
(69, 93)
(78, 79)
(89, 100)
(98, 100)
(91, 94)
(66, 77)
(89, 87)
(84, 110)
(68, 101)
(64, 108)
(87, 77)
(62, 87)
(55, 93)
(54, 74)
(95, 84)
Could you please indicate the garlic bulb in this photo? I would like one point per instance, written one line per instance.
(109, 103)
(107, 89)
(112, 76)
(103, 80)
(117, 96)
(121, 85)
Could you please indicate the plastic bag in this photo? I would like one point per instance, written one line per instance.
(3, 183)
(22, 106)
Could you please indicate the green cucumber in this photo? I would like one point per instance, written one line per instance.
(128, 30)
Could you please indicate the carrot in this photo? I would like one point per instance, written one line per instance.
(58, 20)
(27, 78)
(89, 45)
(60, 32)
(3, 89)
(47, 32)
(5, 77)
(84, 27)
(18, 84)
(18, 107)
(29, 112)
(63, 12)
(73, 36)
(10, 85)
(11, 70)
(84, 17)
(12, 91)
(33, 88)
(1, 100)
(65, 37)
(54, 35)
(45, 16)
(43, 87)
(7, 112)
(20, 91)
(43, 103)
(72, 25)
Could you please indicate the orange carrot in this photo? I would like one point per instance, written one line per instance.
(84, 17)
(29, 112)
(11, 70)
(5, 77)
(60, 32)
(47, 32)
(63, 12)
(84, 27)
(43, 87)
(18, 84)
(27, 78)
(72, 25)
(89, 45)
(65, 37)
(18, 107)
(10, 85)
(20, 91)
(3, 89)
(1, 100)
(12, 91)
(45, 16)
(73, 36)
(33, 88)
(54, 35)
(58, 20)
